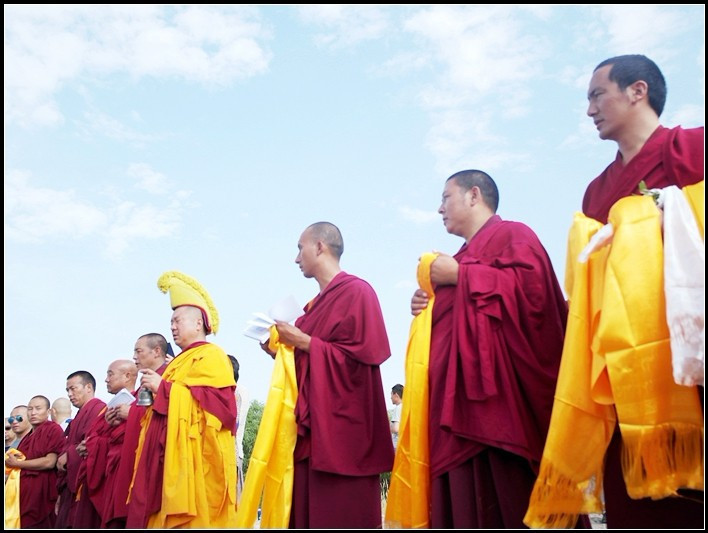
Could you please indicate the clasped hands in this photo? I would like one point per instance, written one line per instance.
(443, 271)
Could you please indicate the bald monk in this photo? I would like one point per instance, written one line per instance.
(150, 353)
(81, 389)
(61, 412)
(101, 448)
(343, 437)
(38, 476)
(626, 97)
(497, 334)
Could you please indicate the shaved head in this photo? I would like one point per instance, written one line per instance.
(329, 234)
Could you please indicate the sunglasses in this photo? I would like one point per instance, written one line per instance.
(13, 418)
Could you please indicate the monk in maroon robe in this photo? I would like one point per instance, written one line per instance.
(149, 353)
(626, 98)
(496, 341)
(80, 387)
(38, 476)
(343, 440)
(100, 448)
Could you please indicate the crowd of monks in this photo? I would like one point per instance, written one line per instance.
(523, 409)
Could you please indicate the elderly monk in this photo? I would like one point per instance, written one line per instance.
(189, 430)
(38, 477)
(495, 348)
(343, 438)
(149, 353)
(61, 412)
(101, 450)
(626, 97)
(81, 389)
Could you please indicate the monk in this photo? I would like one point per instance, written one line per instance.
(495, 348)
(149, 353)
(185, 465)
(81, 389)
(38, 477)
(101, 448)
(61, 412)
(343, 437)
(626, 97)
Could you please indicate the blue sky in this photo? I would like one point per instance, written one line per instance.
(204, 139)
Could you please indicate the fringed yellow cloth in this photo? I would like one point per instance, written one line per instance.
(199, 480)
(12, 491)
(617, 358)
(271, 469)
(408, 504)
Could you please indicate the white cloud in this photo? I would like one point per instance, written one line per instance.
(48, 47)
(419, 216)
(345, 25)
(98, 123)
(148, 179)
(688, 116)
(35, 214)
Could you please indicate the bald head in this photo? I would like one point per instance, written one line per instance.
(121, 374)
(61, 410)
(467, 179)
(329, 235)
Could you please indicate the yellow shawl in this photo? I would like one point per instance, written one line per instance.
(271, 469)
(408, 504)
(617, 364)
(199, 481)
(12, 491)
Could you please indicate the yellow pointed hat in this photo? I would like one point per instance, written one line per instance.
(185, 290)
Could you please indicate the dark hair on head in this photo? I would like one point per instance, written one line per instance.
(85, 376)
(236, 365)
(330, 235)
(155, 340)
(46, 400)
(466, 179)
(634, 67)
(398, 389)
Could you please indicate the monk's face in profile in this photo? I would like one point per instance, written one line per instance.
(307, 254)
(608, 105)
(78, 392)
(456, 209)
(38, 411)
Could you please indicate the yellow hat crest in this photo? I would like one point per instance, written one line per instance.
(185, 290)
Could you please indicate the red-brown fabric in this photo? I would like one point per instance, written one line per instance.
(496, 344)
(38, 488)
(78, 428)
(146, 494)
(669, 157)
(341, 410)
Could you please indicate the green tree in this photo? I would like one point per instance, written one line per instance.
(253, 422)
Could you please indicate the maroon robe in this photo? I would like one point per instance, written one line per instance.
(496, 343)
(116, 509)
(38, 488)
(344, 440)
(669, 157)
(77, 432)
(146, 493)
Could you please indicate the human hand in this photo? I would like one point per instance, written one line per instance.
(61, 462)
(444, 270)
(81, 449)
(293, 336)
(151, 380)
(419, 301)
(266, 348)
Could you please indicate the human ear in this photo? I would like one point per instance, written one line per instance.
(638, 90)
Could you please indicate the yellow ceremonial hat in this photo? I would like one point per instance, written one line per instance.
(185, 290)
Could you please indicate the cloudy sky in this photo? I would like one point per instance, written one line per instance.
(204, 139)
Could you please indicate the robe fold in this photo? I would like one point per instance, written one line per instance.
(669, 157)
(496, 344)
(188, 432)
(38, 488)
(77, 432)
(343, 428)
